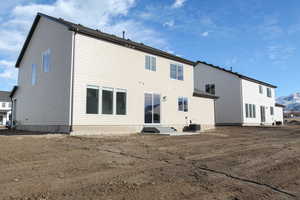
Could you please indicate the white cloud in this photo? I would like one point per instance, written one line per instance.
(204, 34)
(178, 3)
(170, 23)
(7, 70)
(279, 54)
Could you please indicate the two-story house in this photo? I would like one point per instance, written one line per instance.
(243, 100)
(79, 80)
(5, 107)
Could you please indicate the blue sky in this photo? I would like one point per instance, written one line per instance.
(258, 38)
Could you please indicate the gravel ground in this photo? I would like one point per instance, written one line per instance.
(230, 163)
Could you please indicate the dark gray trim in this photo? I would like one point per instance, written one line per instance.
(199, 93)
(280, 105)
(12, 93)
(102, 36)
(237, 74)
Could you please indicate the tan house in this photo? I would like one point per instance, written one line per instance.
(79, 80)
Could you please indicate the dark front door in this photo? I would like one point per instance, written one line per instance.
(263, 114)
(152, 108)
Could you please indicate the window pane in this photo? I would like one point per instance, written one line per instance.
(185, 102)
(173, 71)
(148, 108)
(250, 109)
(153, 63)
(180, 72)
(156, 108)
(33, 74)
(247, 112)
(92, 100)
(121, 103)
(107, 102)
(180, 104)
(147, 62)
(254, 111)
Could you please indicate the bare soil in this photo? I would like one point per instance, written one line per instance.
(229, 163)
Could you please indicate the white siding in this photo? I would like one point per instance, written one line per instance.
(251, 95)
(279, 114)
(103, 64)
(228, 88)
(46, 102)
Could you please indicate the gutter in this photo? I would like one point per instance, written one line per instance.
(72, 78)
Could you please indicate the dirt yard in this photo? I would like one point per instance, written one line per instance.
(227, 164)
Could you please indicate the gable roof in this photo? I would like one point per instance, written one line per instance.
(237, 74)
(99, 35)
(4, 96)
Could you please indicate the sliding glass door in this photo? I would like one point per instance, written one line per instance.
(152, 108)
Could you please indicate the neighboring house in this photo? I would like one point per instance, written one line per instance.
(243, 100)
(5, 107)
(279, 113)
(76, 79)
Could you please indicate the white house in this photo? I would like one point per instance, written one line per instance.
(5, 107)
(243, 100)
(79, 80)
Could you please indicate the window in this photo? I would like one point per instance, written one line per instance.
(46, 60)
(183, 104)
(272, 110)
(269, 92)
(150, 63)
(121, 102)
(33, 74)
(250, 110)
(107, 101)
(176, 71)
(180, 104)
(261, 89)
(3, 105)
(92, 100)
(210, 88)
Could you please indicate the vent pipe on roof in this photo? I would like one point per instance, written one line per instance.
(123, 34)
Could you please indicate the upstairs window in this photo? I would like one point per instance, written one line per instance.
(33, 74)
(92, 100)
(150, 63)
(261, 91)
(269, 92)
(210, 88)
(46, 56)
(176, 71)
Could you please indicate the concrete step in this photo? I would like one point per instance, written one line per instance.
(158, 130)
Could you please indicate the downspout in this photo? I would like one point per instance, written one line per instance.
(242, 102)
(72, 78)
